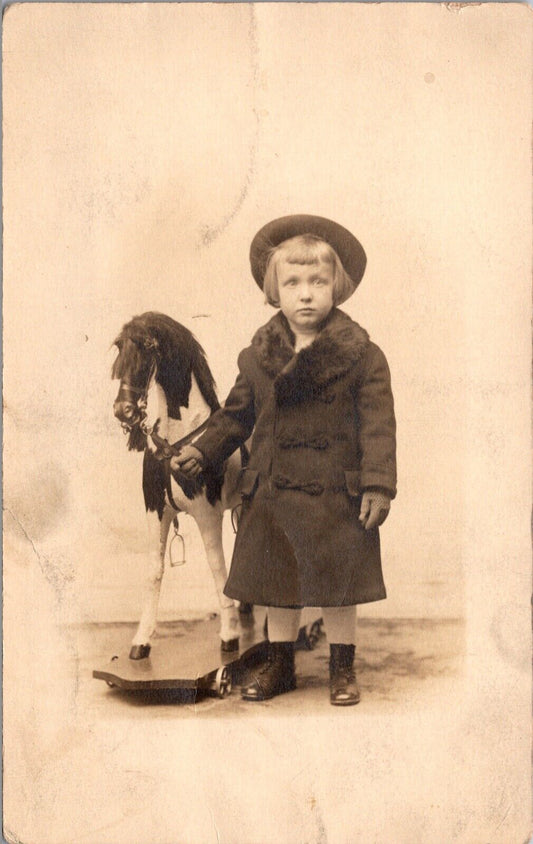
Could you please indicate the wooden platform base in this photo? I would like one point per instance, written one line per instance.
(194, 660)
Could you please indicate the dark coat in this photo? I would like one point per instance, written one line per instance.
(323, 432)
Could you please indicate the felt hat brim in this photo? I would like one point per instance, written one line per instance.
(347, 247)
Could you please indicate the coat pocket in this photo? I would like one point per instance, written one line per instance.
(351, 477)
(248, 482)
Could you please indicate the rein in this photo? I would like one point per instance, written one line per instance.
(166, 450)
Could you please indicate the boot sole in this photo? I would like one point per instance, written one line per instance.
(344, 702)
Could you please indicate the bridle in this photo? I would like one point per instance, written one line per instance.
(138, 397)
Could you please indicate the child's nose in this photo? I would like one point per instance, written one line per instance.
(305, 291)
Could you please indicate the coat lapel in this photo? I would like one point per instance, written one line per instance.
(338, 348)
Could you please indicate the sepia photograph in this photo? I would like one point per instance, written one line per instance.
(267, 423)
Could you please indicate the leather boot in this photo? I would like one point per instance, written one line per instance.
(343, 689)
(275, 676)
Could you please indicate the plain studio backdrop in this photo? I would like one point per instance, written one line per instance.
(144, 145)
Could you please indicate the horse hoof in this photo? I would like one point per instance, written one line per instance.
(140, 651)
(230, 646)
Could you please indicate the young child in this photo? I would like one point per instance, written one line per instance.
(315, 392)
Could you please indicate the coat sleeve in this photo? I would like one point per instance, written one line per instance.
(377, 424)
(231, 425)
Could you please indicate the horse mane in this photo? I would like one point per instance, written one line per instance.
(179, 356)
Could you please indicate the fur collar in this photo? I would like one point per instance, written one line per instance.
(339, 347)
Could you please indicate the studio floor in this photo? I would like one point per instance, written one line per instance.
(405, 765)
(400, 663)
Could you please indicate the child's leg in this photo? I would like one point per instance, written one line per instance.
(340, 624)
(277, 674)
(283, 624)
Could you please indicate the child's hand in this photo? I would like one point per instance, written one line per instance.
(189, 461)
(375, 507)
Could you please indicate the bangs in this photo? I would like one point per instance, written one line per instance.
(306, 249)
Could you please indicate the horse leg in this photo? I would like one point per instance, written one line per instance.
(209, 521)
(157, 539)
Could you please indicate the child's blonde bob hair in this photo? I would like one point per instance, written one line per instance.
(306, 249)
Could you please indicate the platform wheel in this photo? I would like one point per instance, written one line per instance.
(223, 683)
(314, 632)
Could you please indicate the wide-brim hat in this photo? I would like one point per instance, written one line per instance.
(347, 247)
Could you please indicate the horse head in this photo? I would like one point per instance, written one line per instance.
(136, 367)
(155, 362)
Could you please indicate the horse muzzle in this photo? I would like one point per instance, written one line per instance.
(127, 413)
(129, 407)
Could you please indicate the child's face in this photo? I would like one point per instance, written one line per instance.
(305, 293)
